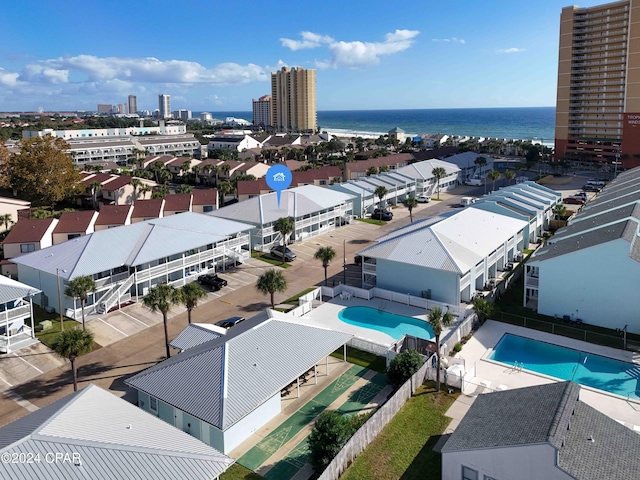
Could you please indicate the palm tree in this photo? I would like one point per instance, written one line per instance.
(95, 187)
(6, 220)
(438, 322)
(184, 188)
(284, 226)
(438, 173)
(325, 255)
(493, 176)
(79, 288)
(191, 293)
(144, 190)
(224, 189)
(136, 183)
(410, 202)
(71, 344)
(161, 298)
(480, 162)
(380, 192)
(270, 282)
(509, 175)
(559, 211)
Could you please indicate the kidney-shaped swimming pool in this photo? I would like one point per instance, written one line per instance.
(395, 326)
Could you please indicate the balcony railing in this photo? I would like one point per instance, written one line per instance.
(23, 311)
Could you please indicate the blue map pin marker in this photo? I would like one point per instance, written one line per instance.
(279, 178)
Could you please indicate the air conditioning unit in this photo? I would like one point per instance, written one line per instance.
(426, 294)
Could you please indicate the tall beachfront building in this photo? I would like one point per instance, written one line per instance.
(293, 100)
(132, 104)
(262, 111)
(164, 106)
(598, 102)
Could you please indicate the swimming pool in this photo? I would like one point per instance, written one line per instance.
(395, 326)
(613, 376)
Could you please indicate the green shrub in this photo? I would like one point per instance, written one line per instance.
(330, 432)
(457, 347)
(403, 366)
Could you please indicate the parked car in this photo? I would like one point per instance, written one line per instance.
(382, 215)
(276, 252)
(378, 211)
(212, 280)
(582, 195)
(474, 182)
(591, 188)
(229, 322)
(423, 199)
(573, 201)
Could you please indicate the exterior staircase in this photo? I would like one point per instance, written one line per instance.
(112, 297)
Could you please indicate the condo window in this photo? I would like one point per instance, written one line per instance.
(469, 474)
(27, 247)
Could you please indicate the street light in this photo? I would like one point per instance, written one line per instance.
(344, 261)
(58, 270)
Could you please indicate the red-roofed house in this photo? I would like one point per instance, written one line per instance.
(27, 235)
(147, 209)
(113, 216)
(73, 225)
(318, 176)
(355, 170)
(204, 200)
(119, 191)
(176, 203)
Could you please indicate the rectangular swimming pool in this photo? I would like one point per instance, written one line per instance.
(613, 376)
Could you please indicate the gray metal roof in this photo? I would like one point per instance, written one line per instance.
(131, 245)
(221, 383)
(196, 334)
(588, 222)
(542, 414)
(13, 290)
(114, 439)
(563, 245)
(424, 170)
(294, 202)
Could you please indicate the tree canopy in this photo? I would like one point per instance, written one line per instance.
(403, 365)
(42, 172)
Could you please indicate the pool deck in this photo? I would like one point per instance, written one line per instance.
(492, 376)
(326, 315)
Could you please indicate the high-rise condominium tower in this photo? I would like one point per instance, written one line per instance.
(598, 103)
(262, 111)
(164, 106)
(132, 104)
(293, 100)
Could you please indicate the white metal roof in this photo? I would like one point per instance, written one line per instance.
(294, 202)
(114, 439)
(223, 380)
(11, 289)
(424, 169)
(196, 334)
(454, 244)
(131, 245)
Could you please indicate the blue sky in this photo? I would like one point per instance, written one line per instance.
(217, 56)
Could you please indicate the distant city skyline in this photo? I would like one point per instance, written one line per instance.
(423, 55)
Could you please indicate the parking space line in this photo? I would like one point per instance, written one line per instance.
(6, 382)
(134, 318)
(116, 329)
(30, 364)
(21, 401)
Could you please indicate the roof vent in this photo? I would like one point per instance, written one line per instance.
(129, 427)
(591, 439)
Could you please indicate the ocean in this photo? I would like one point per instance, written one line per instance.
(526, 123)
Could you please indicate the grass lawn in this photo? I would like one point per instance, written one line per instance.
(238, 472)
(404, 447)
(363, 359)
(48, 336)
(372, 221)
(266, 258)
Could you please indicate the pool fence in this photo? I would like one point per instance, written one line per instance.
(372, 427)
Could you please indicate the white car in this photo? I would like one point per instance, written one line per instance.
(423, 199)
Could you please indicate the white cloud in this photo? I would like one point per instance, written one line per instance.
(510, 50)
(8, 78)
(147, 70)
(309, 40)
(449, 40)
(353, 54)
